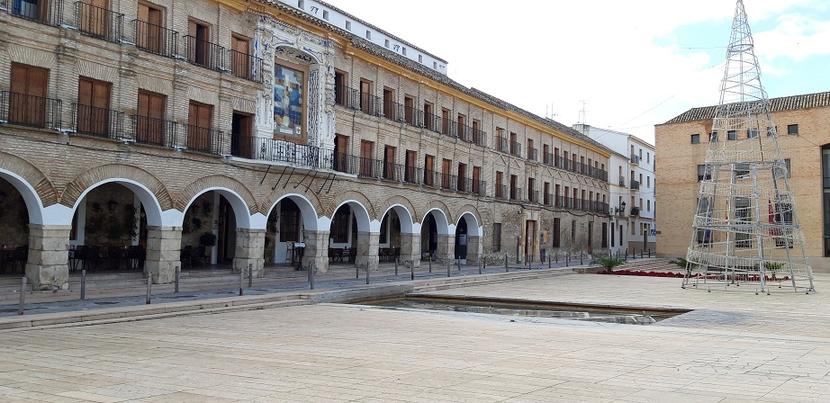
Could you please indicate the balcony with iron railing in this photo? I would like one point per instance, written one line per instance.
(98, 22)
(516, 194)
(548, 199)
(532, 154)
(43, 12)
(29, 110)
(503, 145)
(245, 65)
(635, 159)
(194, 138)
(98, 122)
(635, 185)
(152, 131)
(635, 211)
(515, 149)
(622, 181)
(501, 192)
(533, 196)
(547, 158)
(204, 54)
(155, 38)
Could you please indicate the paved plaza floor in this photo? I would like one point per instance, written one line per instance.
(732, 347)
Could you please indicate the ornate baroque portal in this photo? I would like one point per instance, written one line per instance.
(304, 112)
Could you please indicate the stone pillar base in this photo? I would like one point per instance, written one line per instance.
(47, 267)
(473, 249)
(411, 248)
(164, 246)
(250, 250)
(316, 254)
(367, 250)
(446, 248)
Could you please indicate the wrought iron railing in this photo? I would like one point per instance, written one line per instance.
(515, 149)
(245, 65)
(98, 22)
(200, 139)
(147, 130)
(155, 38)
(205, 54)
(635, 185)
(44, 12)
(30, 110)
(532, 154)
(98, 122)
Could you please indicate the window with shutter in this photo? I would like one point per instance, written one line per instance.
(27, 98)
(92, 109)
(240, 59)
(199, 127)
(149, 122)
(429, 169)
(150, 29)
(367, 151)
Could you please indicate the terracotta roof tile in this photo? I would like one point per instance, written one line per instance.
(790, 103)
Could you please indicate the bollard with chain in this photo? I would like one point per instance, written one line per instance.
(149, 289)
(641, 253)
(250, 276)
(505, 261)
(83, 284)
(568, 259)
(241, 282)
(22, 307)
(178, 279)
(479, 265)
(549, 265)
(626, 254)
(356, 272)
(649, 253)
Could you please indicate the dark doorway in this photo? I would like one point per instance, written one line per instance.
(461, 240)
(241, 139)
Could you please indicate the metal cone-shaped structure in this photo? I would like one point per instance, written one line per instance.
(746, 231)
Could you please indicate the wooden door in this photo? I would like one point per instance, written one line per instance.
(240, 63)
(341, 153)
(429, 169)
(366, 97)
(367, 151)
(462, 177)
(93, 106)
(149, 29)
(499, 184)
(530, 240)
(445, 173)
(199, 122)
(477, 180)
(411, 157)
(198, 46)
(94, 17)
(150, 126)
(409, 110)
(27, 98)
(241, 141)
(389, 163)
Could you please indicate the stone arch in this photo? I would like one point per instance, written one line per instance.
(472, 221)
(306, 206)
(405, 215)
(435, 204)
(37, 180)
(124, 174)
(442, 223)
(352, 196)
(361, 215)
(266, 206)
(146, 195)
(216, 182)
(34, 205)
(403, 201)
(241, 212)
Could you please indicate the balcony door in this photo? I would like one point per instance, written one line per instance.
(341, 153)
(94, 17)
(27, 101)
(429, 169)
(476, 179)
(409, 169)
(241, 140)
(199, 122)
(240, 63)
(446, 165)
(198, 50)
(149, 33)
(150, 127)
(389, 163)
(367, 152)
(93, 106)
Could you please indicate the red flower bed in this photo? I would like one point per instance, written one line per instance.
(626, 272)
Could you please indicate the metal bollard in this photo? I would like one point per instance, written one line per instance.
(505, 261)
(568, 259)
(178, 279)
(83, 284)
(250, 276)
(22, 307)
(458, 262)
(641, 253)
(649, 253)
(556, 257)
(357, 272)
(626, 254)
(581, 255)
(430, 263)
(149, 289)
(396, 267)
(549, 265)
(412, 270)
(311, 278)
(479, 265)
(367, 273)
(241, 282)
(448, 268)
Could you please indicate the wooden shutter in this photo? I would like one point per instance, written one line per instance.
(150, 126)
(240, 63)
(27, 101)
(150, 35)
(92, 108)
(366, 160)
(366, 97)
(429, 167)
(411, 156)
(389, 161)
(476, 179)
(199, 132)
(341, 149)
(445, 173)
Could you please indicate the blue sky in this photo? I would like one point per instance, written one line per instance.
(634, 63)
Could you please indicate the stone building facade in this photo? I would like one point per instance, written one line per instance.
(803, 129)
(261, 132)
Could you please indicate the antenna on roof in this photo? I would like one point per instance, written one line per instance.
(583, 112)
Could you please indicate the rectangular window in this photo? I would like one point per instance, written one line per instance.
(429, 116)
(446, 166)
(445, 121)
(27, 98)
(731, 135)
(477, 188)
(409, 167)
(462, 178)
(150, 127)
(340, 225)
(605, 235)
(240, 56)
(713, 136)
(514, 189)
(789, 169)
(702, 174)
(199, 51)
(496, 237)
(429, 170)
(340, 88)
(367, 104)
(289, 101)
(92, 113)
(499, 184)
(150, 32)
(342, 161)
(648, 205)
(389, 168)
(200, 122)
(389, 104)
(556, 233)
(461, 129)
(792, 130)
(409, 110)
(241, 128)
(367, 155)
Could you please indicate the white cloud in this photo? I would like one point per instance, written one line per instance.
(611, 53)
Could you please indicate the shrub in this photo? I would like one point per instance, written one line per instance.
(609, 263)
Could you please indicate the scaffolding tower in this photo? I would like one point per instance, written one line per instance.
(745, 229)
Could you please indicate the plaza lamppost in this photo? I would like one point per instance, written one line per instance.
(617, 210)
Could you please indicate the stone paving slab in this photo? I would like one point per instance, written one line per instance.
(334, 352)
